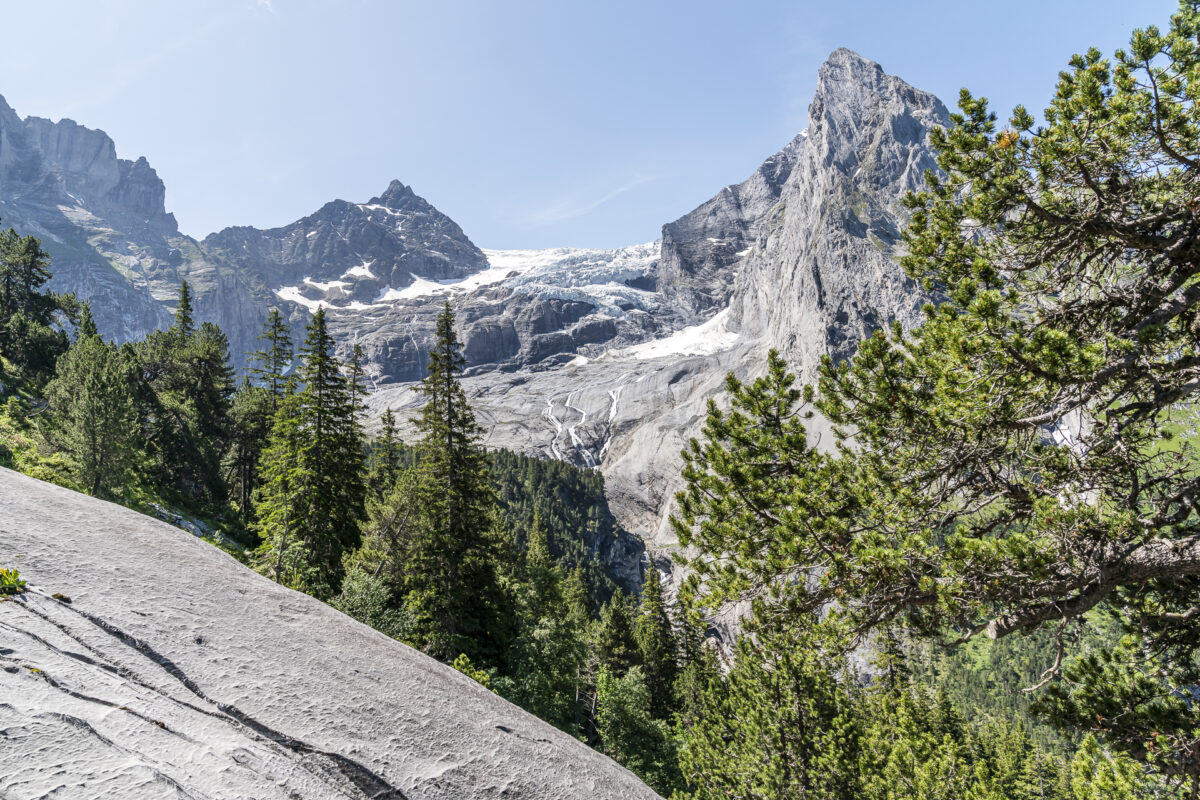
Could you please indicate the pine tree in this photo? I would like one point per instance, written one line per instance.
(656, 642)
(780, 725)
(1027, 453)
(1096, 775)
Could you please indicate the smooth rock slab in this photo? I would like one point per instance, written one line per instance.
(177, 672)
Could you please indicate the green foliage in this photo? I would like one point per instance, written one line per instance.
(31, 334)
(1096, 775)
(463, 664)
(183, 404)
(10, 582)
(253, 411)
(387, 457)
(269, 365)
(24, 450)
(569, 504)
(367, 597)
(250, 418)
(1002, 467)
(780, 725)
(655, 636)
(616, 647)
(630, 734)
(548, 652)
(311, 501)
(451, 581)
(93, 415)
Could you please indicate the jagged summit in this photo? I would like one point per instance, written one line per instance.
(396, 196)
(825, 273)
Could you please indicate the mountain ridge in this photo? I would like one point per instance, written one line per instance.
(605, 358)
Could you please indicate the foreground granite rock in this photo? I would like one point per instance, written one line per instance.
(167, 669)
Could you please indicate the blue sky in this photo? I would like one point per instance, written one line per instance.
(531, 123)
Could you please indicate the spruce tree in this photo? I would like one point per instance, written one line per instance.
(250, 428)
(333, 453)
(312, 500)
(93, 414)
(184, 405)
(616, 648)
(356, 375)
(270, 365)
(548, 651)
(31, 336)
(386, 453)
(281, 506)
(656, 642)
(631, 735)
(87, 323)
(184, 324)
(452, 583)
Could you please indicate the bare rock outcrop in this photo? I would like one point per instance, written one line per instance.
(144, 662)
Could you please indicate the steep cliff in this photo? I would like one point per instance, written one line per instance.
(824, 272)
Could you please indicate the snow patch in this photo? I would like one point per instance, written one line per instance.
(363, 270)
(292, 294)
(325, 287)
(705, 339)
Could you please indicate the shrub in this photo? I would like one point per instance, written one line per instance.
(10, 582)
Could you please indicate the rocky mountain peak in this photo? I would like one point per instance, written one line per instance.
(857, 106)
(396, 196)
(823, 272)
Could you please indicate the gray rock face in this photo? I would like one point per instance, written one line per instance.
(700, 249)
(353, 252)
(101, 218)
(824, 273)
(174, 671)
